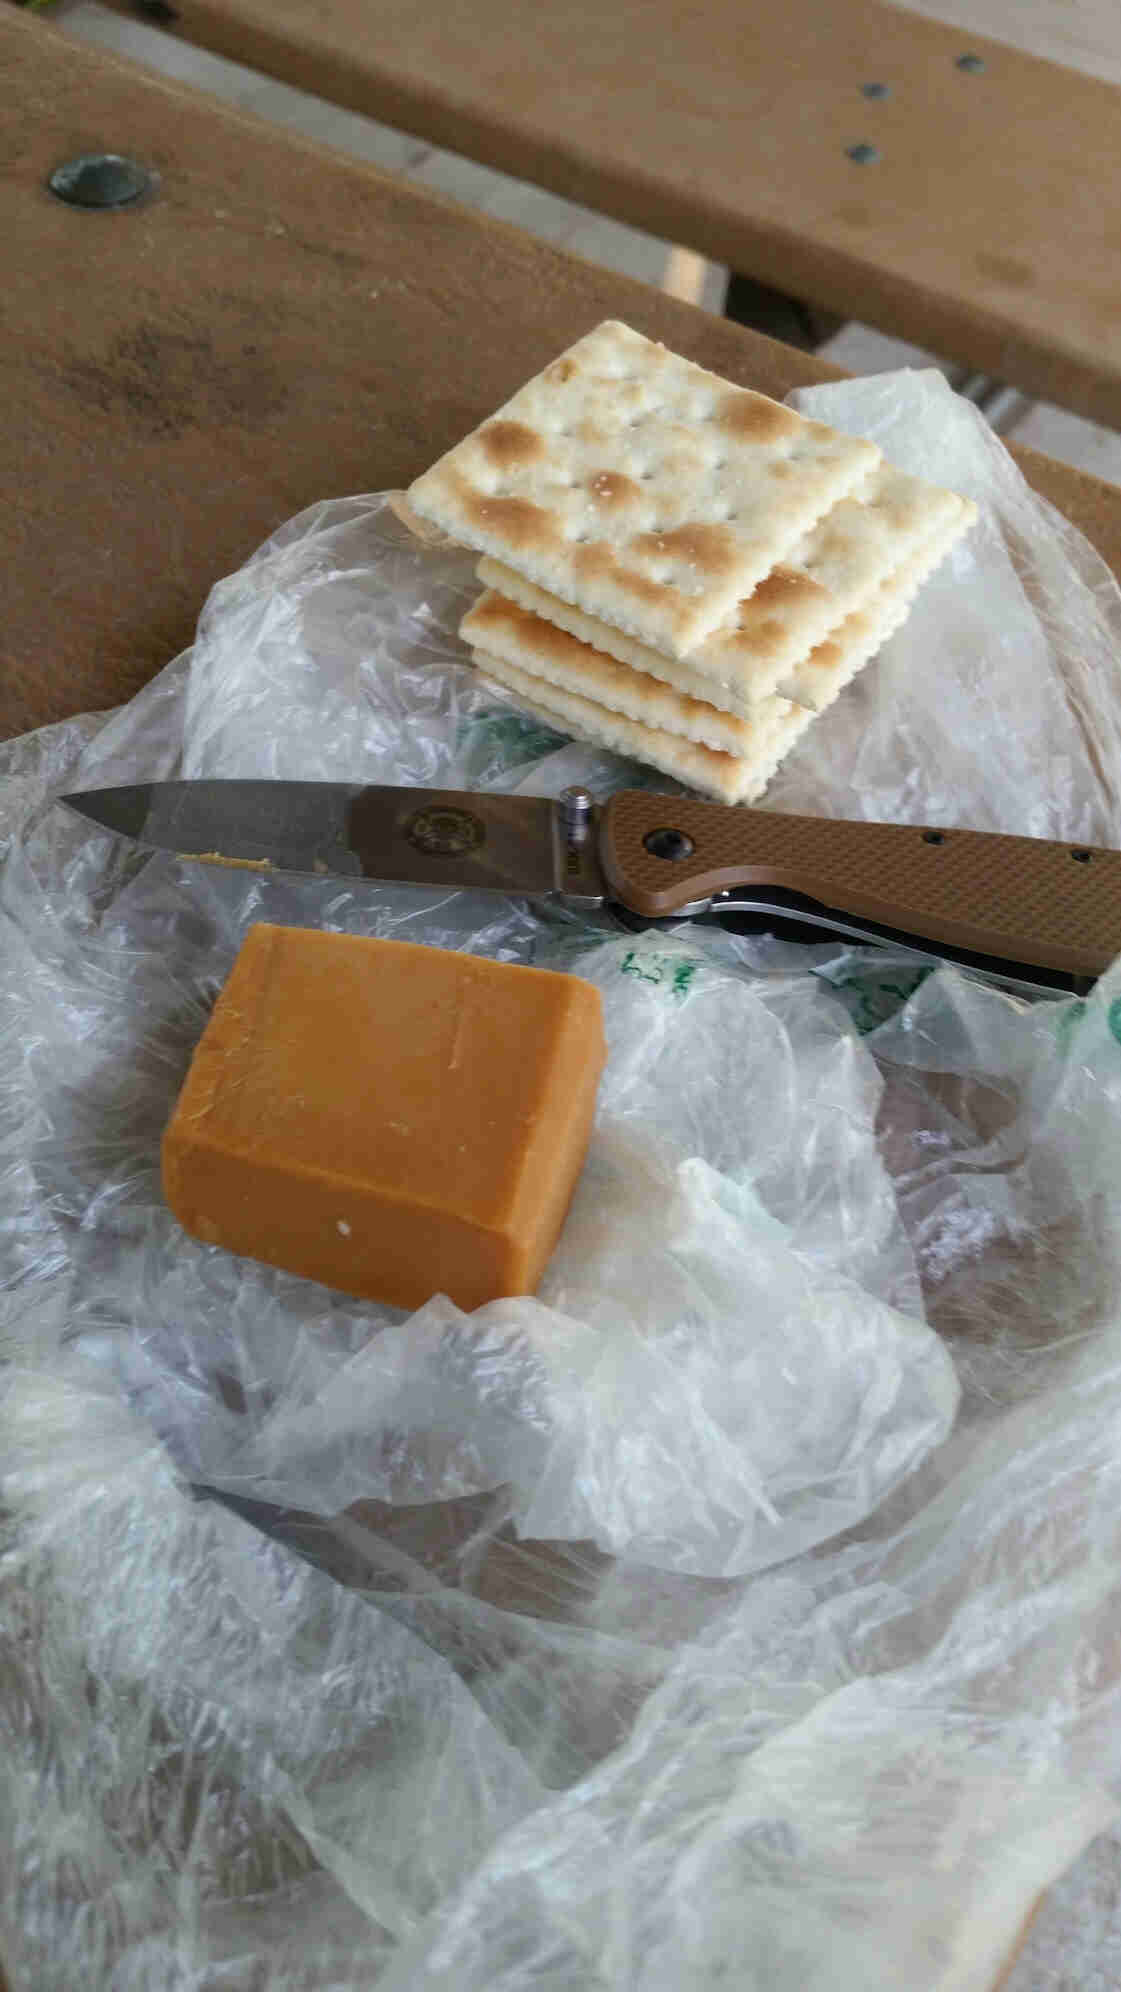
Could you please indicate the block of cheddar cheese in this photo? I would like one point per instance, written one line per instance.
(393, 1120)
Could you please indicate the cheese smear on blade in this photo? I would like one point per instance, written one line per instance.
(393, 1120)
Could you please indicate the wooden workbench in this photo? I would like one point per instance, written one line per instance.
(277, 325)
(988, 229)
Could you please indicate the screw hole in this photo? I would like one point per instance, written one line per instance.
(1081, 857)
(934, 836)
(669, 844)
(874, 90)
(862, 154)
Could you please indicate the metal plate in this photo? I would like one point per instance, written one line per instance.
(427, 837)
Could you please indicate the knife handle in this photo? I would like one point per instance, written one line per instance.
(1024, 899)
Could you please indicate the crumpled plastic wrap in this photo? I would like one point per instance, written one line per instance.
(740, 1610)
(996, 705)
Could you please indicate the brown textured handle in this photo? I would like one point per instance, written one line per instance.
(1022, 898)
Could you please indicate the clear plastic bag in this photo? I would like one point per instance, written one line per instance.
(739, 1609)
(998, 703)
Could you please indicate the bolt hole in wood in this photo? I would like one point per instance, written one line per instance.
(934, 836)
(863, 154)
(971, 64)
(100, 180)
(1081, 857)
(875, 90)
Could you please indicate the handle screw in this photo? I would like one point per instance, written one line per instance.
(669, 844)
(576, 811)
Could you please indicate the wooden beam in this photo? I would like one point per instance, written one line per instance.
(987, 226)
(278, 325)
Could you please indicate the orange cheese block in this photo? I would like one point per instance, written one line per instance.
(393, 1120)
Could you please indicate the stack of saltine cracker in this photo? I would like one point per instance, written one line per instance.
(675, 567)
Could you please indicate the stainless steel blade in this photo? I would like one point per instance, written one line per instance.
(430, 837)
(292, 826)
(501, 843)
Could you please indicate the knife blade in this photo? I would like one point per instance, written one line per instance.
(1030, 913)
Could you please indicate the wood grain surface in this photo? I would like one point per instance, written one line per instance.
(275, 326)
(989, 227)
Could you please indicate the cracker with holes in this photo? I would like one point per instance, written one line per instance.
(678, 568)
(726, 777)
(515, 635)
(641, 489)
(581, 690)
(835, 571)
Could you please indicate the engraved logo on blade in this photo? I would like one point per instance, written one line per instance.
(445, 832)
